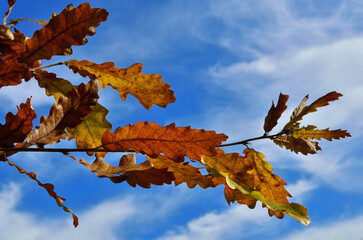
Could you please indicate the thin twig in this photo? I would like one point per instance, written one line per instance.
(13, 22)
(47, 66)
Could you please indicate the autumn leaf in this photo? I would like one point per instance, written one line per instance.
(68, 28)
(186, 173)
(302, 110)
(17, 126)
(275, 113)
(311, 132)
(147, 88)
(68, 113)
(47, 186)
(11, 72)
(53, 85)
(89, 133)
(252, 176)
(173, 142)
(141, 174)
(297, 145)
(12, 44)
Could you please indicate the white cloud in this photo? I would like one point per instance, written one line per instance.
(341, 229)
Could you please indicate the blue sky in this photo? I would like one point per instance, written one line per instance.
(226, 61)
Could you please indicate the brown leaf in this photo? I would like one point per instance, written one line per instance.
(302, 111)
(275, 113)
(186, 173)
(173, 142)
(68, 113)
(302, 145)
(12, 44)
(68, 28)
(17, 126)
(147, 88)
(11, 72)
(47, 186)
(311, 132)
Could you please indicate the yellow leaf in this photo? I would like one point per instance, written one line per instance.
(311, 132)
(147, 88)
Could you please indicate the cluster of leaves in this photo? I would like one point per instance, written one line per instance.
(173, 154)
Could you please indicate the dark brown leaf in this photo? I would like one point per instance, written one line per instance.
(275, 113)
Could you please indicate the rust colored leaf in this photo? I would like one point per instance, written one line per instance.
(47, 186)
(233, 195)
(173, 142)
(11, 72)
(68, 28)
(147, 88)
(311, 132)
(275, 113)
(68, 113)
(303, 110)
(142, 174)
(17, 126)
(186, 173)
(302, 145)
(13, 46)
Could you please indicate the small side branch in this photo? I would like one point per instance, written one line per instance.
(47, 66)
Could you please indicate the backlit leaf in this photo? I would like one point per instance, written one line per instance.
(64, 30)
(302, 145)
(186, 173)
(173, 142)
(17, 126)
(11, 72)
(147, 88)
(311, 132)
(68, 113)
(302, 111)
(275, 113)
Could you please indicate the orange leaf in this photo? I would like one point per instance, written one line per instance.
(275, 113)
(17, 126)
(302, 111)
(186, 173)
(148, 89)
(68, 113)
(11, 43)
(11, 72)
(68, 28)
(174, 142)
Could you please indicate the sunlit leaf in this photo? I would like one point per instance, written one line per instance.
(311, 132)
(275, 113)
(147, 88)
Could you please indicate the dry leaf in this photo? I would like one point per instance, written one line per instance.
(173, 142)
(64, 30)
(148, 89)
(17, 126)
(275, 113)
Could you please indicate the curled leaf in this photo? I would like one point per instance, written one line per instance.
(147, 88)
(275, 113)
(47, 186)
(297, 145)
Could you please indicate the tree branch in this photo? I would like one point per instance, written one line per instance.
(48, 66)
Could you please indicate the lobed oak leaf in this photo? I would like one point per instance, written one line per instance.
(89, 133)
(17, 126)
(302, 145)
(311, 132)
(275, 113)
(11, 72)
(186, 173)
(302, 110)
(64, 30)
(153, 140)
(47, 186)
(68, 113)
(11, 44)
(53, 85)
(147, 88)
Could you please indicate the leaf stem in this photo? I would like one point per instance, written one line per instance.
(48, 66)
(244, 142)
